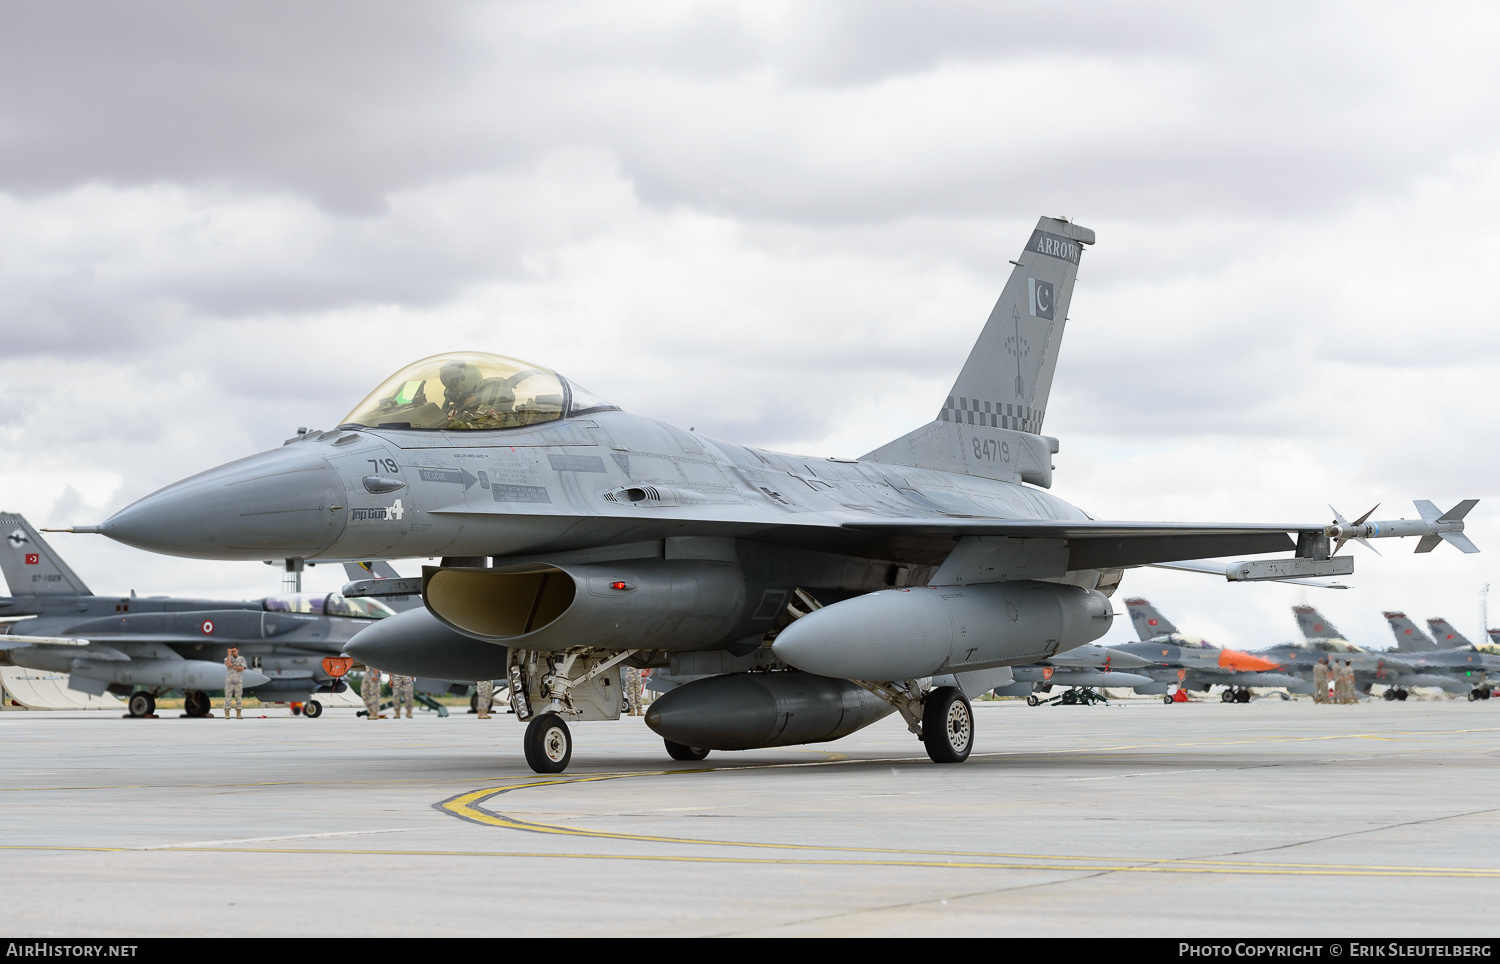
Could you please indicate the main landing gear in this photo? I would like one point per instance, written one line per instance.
(1235, 694)
(1396, 694)
(196, 704)
(141, 704)
(1482, 693)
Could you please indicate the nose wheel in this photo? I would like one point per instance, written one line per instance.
(548, 744)
(141, 704)
(312, 709)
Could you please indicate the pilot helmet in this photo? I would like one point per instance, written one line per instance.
(460, 378)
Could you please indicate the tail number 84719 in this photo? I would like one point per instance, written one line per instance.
(991, 450)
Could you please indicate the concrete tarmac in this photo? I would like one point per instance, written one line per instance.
(1205, 819)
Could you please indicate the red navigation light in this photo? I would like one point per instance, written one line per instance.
(618, 585)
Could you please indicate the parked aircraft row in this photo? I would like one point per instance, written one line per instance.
(812, 595)
(1165, 659)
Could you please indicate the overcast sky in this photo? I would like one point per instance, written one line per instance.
(782, 224)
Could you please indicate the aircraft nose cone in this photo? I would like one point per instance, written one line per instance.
(279, 504)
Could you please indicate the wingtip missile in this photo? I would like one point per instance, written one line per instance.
(1433, 527)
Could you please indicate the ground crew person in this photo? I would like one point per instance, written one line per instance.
(1349, 696)
(485, 698)
(402, 694)
(234, 682)
(1320, 681)
(636, 689)
(369, 691)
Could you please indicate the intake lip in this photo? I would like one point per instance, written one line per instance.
(284, 503)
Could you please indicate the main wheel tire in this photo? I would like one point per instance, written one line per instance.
(1402, 695)
(1390, 696)
(548, 744)
(142, 704)
(687, 754)
(195, 703)
(1243, 696)
(1227, 696)
(312, 709)
(948, 725)
(1032, 700)
(473, 702)
(1473, 695)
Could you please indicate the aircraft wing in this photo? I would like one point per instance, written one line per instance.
(1094, 544)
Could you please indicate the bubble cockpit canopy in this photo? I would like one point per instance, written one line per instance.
(331, 604)
(472, 391)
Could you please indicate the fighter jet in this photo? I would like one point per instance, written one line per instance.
(1196, 664)
(576, 537)
(1447, 653)
(1087, 667)
(1398, 671)
(143, 646)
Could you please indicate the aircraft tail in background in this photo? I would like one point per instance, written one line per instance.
(1148, 623)
(1315, 625)
(1445, 635)
(31, 566)
(1409, 639)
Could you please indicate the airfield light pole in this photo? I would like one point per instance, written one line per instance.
(1484, 613)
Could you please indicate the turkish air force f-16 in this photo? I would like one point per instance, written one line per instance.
(576, 537)
(143, 646)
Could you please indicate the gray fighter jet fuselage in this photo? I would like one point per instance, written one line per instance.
(575, 537)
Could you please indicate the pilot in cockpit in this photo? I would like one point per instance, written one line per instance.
(461, 381)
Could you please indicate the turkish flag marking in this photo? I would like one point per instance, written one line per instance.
(33, 559)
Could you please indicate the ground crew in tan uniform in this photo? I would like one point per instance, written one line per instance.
(369, 691)
(1349, 695)
(403, 693)
(1320, 681)
(485, 698)
(234, 682)
(635, 689)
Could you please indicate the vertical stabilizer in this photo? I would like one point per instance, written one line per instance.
(1409, 639)
(990, 423)
(1445, 636)
(1314, 625)
(30, 565)
(1148, 623)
